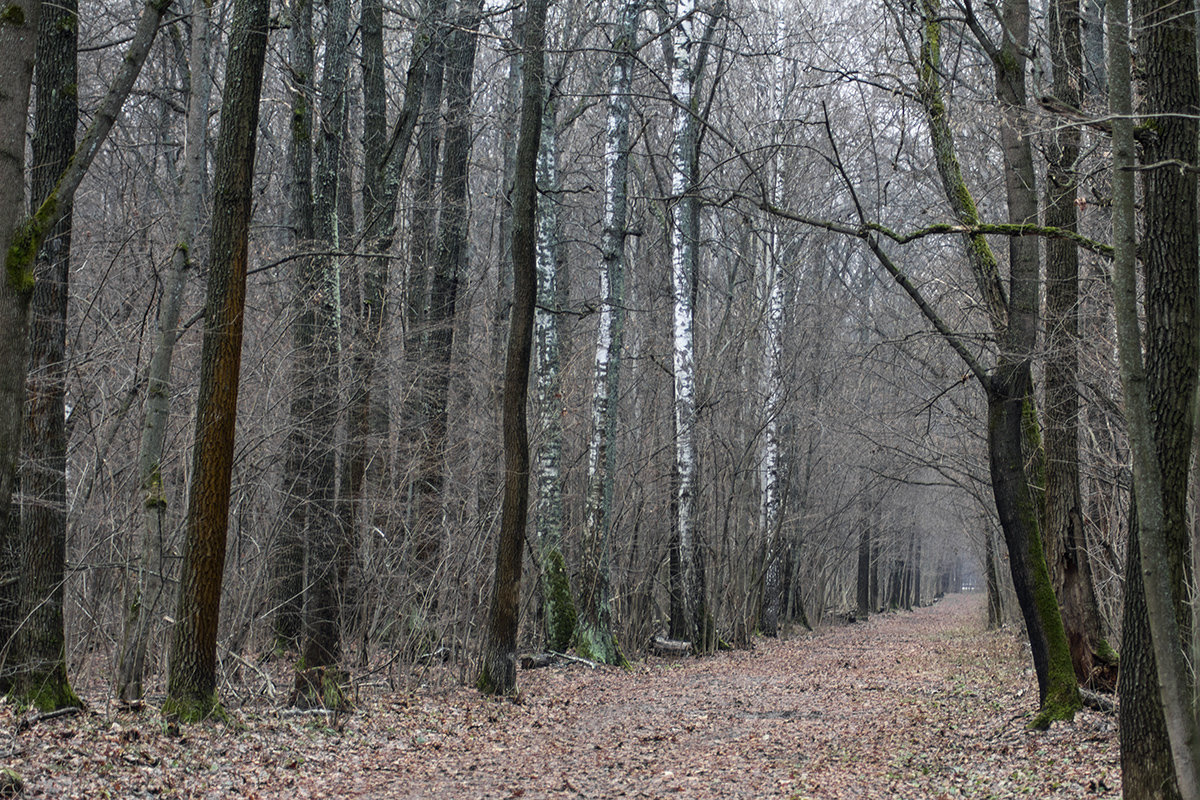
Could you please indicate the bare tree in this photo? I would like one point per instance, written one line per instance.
(192, 681)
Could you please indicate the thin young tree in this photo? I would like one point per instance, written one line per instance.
(146, 594)
(499, 672)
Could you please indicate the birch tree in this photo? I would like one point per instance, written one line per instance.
(773, 375)
(689, 624)
(594, 636)
(558, 606)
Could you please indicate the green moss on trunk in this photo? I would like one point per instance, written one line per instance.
(561, 617)
(195, 709)
(47, 690)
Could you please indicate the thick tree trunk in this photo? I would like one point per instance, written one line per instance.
(1014, 320)
(1159, 393)
(142, 605)
(39, 654)
(191, 684)
(18, 40)
(21, 241)
(1008, 404)
(1147, 771)
(499, 672)
(594, 636)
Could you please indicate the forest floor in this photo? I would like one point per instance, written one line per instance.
(908, 705)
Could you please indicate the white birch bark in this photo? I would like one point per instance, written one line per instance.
(683, 42)
(772, 373)
(556, 593)
(142, 606)
(594, 637)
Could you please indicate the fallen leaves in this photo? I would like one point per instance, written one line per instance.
(906, 705)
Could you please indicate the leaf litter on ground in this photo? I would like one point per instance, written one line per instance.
(906, 705)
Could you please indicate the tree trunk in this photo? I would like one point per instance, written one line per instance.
(191, 684)
(21, 241)
(39, 655)
(995, 603)
(449, 267)
(1008, 405)
(1014, 319)
(324, 538)
(142, 607)
(1159, 393)
(692, 618)
(594, 636)
(1066, 547)
(289, 555)
(863, 594)
(557, 604)
(1147, 771)
(499, 672)
(18, 40)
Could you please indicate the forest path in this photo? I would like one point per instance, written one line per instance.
(908, 705)
(921, 704)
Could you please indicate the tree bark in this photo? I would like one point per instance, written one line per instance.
(594, 635)
(1147, 770)
(289, 555)
(146, 596)
(324, 538)
(21, 240)
(557, 603)
(1066, 547)
(499, 672)
(1008, 386)
(1159, 392)
(191, 683)
(39, 654)
(18, 40)
(449, 265)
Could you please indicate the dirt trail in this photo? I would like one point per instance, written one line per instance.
(905, 706)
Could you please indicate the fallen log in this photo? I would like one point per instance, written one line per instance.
(669, 648)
